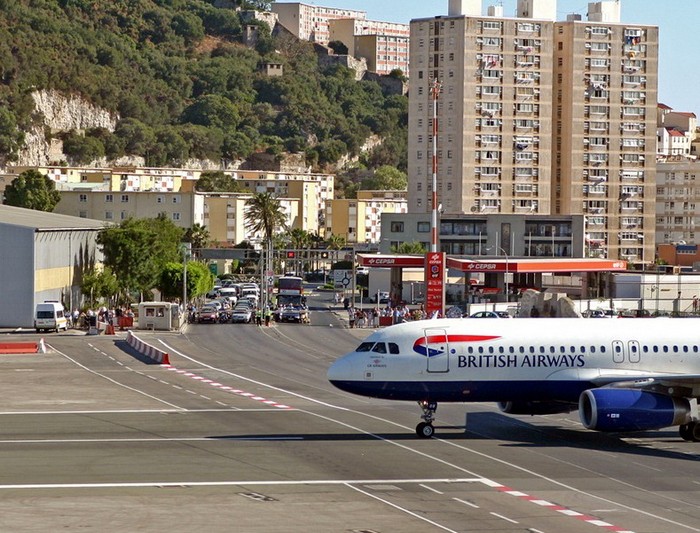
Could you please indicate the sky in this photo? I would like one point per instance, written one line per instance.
(678, 22)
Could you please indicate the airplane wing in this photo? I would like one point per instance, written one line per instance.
(645, 380)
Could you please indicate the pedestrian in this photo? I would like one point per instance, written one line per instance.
(268, 316)
(258, 316)
(351, 317)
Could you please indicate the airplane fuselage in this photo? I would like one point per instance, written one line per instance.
(523, 360)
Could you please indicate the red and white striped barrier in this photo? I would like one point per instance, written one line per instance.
(146, 349)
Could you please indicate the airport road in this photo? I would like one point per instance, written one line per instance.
(242, 432)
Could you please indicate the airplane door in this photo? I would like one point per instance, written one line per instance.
(618, 352)
(437, 350)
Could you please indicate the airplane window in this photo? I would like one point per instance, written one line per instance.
(573, 349)
(656, 349)
(552, 349)
(532, 349)
(470, 350)
(633, 349)
(562, 349)
(490, 349)
(365, 347)
(685, 349)
(675, 349)
(541, 349)
(695, 348)
(618, 349)
(500, 349)
(645, 348)
(393, 347)
(380, 347)
(583, 349)
(522, 349)
(602, 349)
(481, 349)
(511, 349)
(592, 349)
(665, 349)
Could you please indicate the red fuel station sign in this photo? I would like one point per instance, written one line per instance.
(435, 283)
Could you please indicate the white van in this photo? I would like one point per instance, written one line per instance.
(48, 316)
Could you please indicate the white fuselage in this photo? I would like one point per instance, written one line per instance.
(538, 359)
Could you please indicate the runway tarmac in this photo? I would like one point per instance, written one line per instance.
(242, 432)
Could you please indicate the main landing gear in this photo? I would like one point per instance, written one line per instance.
(425, 429)
(690, 431)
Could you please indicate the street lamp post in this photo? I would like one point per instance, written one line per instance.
(186, 251)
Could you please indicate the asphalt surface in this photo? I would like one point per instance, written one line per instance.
(242, 432)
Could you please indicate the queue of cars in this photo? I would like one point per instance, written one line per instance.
(235, 302)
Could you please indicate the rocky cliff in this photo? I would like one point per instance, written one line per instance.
(57, 113)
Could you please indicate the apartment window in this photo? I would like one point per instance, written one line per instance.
(125, 198)
(396, 226)
(109, 198)
(109, 215)
(423, 227)
(176, 216)
(490, 25)
(160, 200)
(599, 63)
(82, 198)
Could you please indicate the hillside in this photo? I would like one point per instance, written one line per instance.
(183, 86)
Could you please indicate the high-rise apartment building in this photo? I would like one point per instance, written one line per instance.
(311, 22)
(538, 116)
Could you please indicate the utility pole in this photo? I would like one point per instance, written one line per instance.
(434, 94)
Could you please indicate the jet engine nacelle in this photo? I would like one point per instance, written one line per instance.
(535, 408)
(631, 410)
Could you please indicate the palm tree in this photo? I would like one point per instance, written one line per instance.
(198, 235)
(409, 248)
(299, 239)
(265, 217)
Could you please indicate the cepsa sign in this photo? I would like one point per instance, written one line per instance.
(435, 283)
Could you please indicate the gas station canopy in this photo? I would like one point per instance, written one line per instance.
(499, 264)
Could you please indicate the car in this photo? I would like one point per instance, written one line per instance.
(241, 314)
(293, 313)
(208, 313)
(490, 314)
(383, 297)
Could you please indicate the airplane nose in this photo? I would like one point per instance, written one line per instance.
(341, 369)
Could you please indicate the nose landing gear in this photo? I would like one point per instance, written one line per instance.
(425, 429)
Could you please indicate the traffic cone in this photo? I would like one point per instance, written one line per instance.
(109, 330)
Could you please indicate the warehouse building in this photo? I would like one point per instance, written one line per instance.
(44, 257)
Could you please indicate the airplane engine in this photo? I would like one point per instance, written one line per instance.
(631, 410)
(535, 408)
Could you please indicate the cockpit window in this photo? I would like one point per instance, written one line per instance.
(393, 347)
(380, 347)
(365, 347)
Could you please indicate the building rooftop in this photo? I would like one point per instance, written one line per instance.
(40, 220)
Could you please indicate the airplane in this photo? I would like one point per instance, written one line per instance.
(621, 375)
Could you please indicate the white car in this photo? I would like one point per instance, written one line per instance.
(241, 314)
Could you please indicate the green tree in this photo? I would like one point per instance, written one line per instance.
(218, 181)
(137, 251)
(11, 137)
(411, 248)
(99, 285)
(386, 178)
(32, 190)
(81, 149)
(200, 280)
